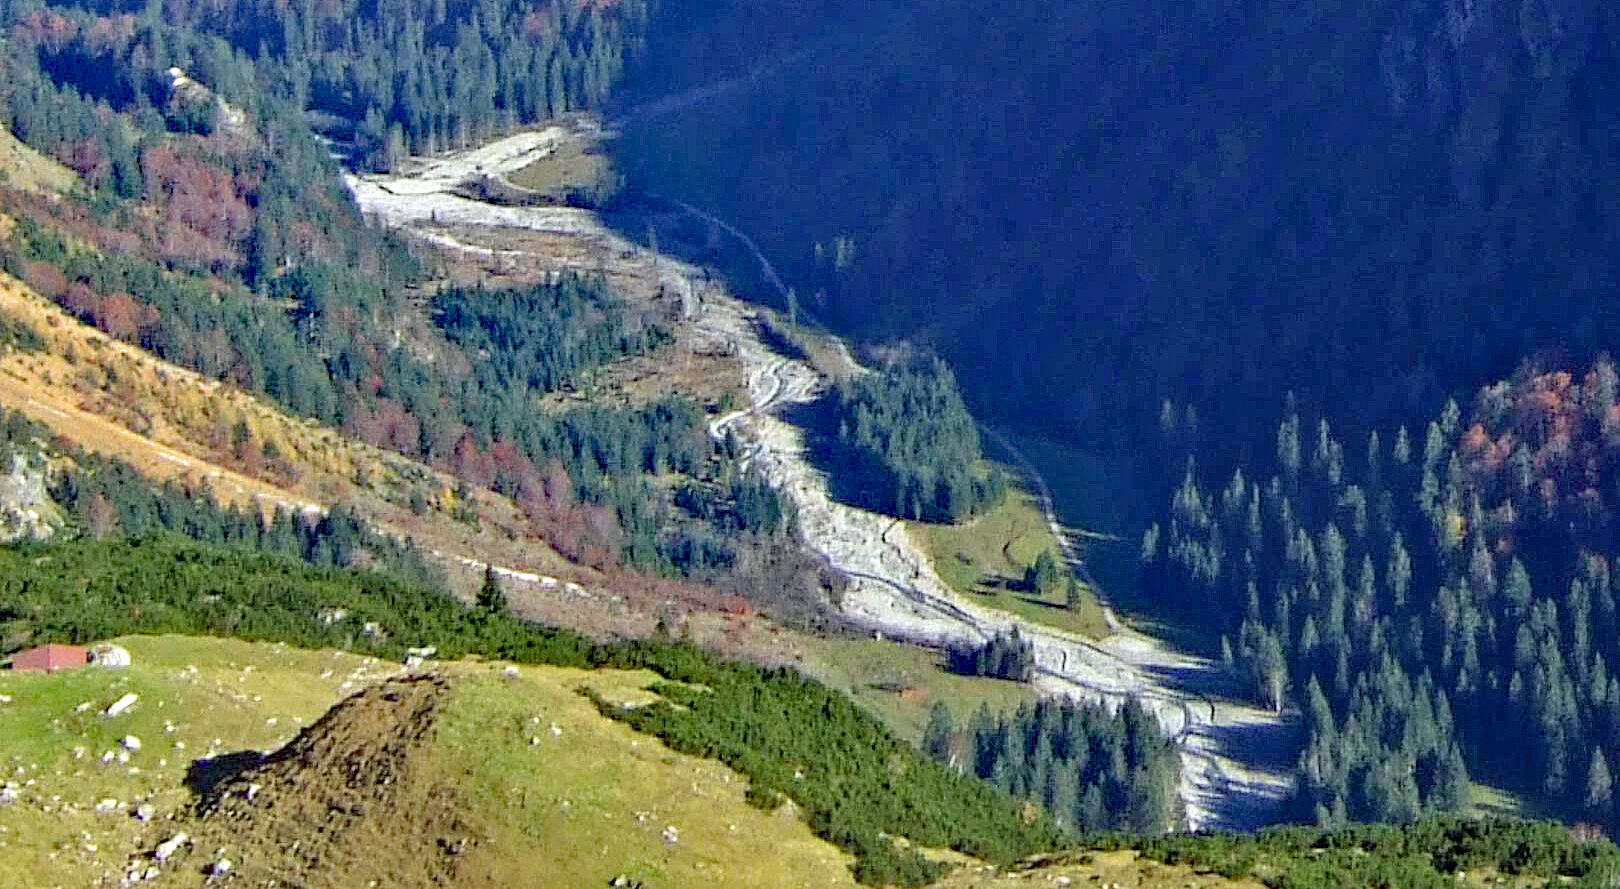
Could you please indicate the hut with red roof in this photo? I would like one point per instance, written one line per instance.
(51, 657)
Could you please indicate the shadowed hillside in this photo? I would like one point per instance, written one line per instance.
(1105, 205)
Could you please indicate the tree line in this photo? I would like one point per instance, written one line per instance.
(1425, 855)
(106, 499)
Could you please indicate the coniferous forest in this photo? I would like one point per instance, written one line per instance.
(1438, 601)
(1092, 769)
(907, 445)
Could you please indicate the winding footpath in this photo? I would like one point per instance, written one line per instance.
(1235, 756)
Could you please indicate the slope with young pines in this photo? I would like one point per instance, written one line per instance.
(173, 424)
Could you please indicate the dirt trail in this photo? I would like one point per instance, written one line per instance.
(103, 436)
(1227, 779)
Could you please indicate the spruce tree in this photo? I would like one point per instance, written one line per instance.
(937, 736)
(491, 599)
(1599, 785)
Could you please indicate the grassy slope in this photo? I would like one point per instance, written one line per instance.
(569, 803)
(985, 557)
(593, 799)
(239, 696)
(899, 683)
(25, 168)
(575, 163)
(123, 402)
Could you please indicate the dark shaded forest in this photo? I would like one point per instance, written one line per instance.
(1426, 599)
(1091, 207)
(392, 79)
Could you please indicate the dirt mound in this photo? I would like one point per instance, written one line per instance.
(354, 800)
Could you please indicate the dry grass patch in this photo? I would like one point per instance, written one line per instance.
(23, 167)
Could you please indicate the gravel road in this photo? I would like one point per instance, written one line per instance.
(1236, 757)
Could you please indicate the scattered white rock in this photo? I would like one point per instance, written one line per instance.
(512, 672)
(9, 794)
(109, 655)
(220, 867)
(131, 743)
(145, 812)
(121, 705)
(166, 849)
(5, 699)
(672, 834)
(556, 730)
(252, 791)
(533, 740)
(108, 805)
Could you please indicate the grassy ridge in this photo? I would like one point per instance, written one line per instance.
(197, 697)
(856, 783)
(570, 807)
